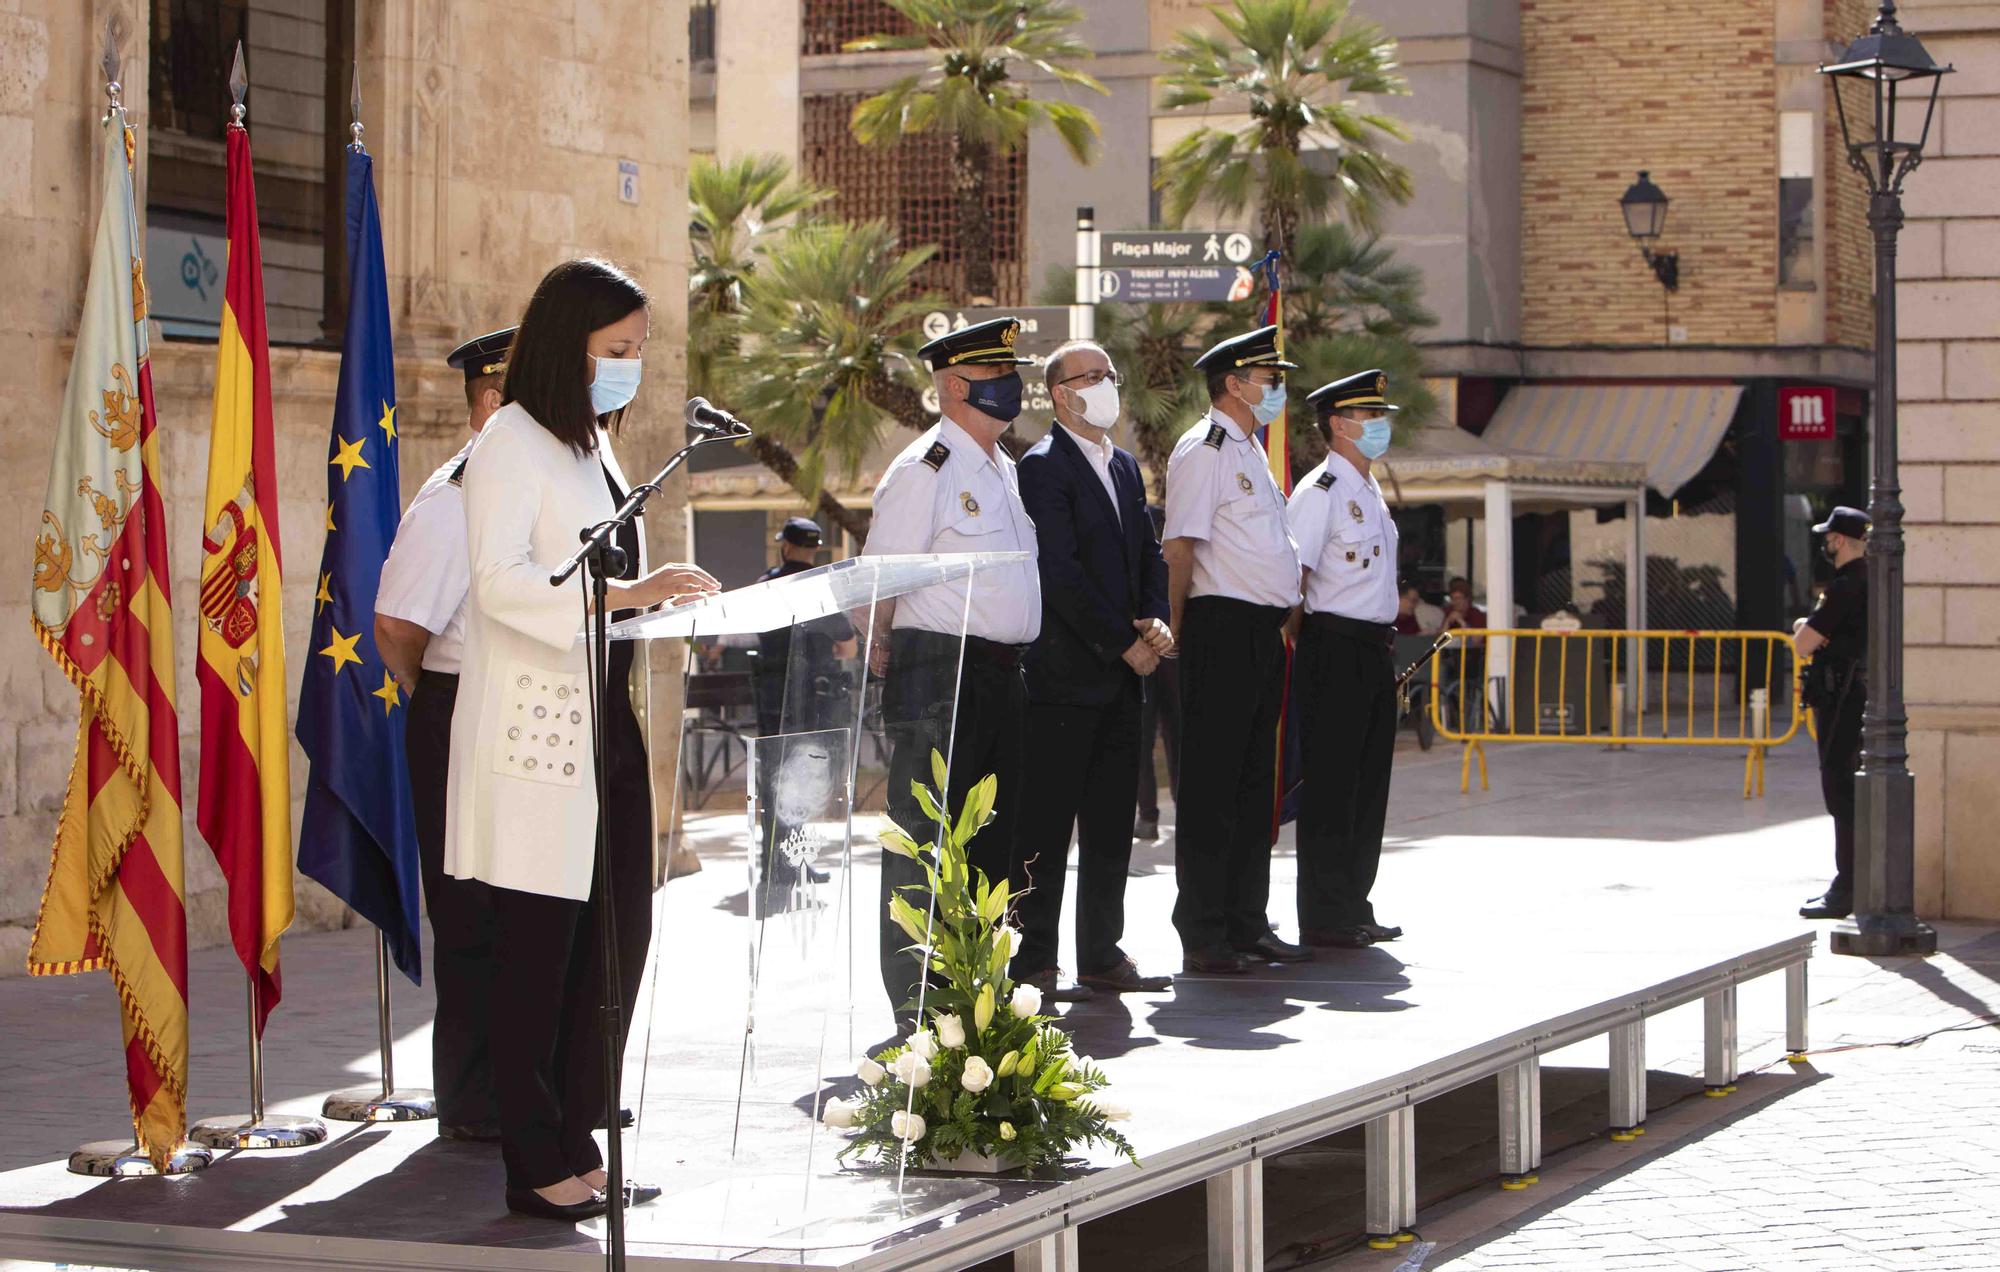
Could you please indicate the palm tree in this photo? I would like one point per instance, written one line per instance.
(1154, 346)
(1299, 64)
(830, 354)
(968, 90)
(736, 209)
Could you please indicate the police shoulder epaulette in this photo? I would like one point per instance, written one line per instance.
(1325, 481)
(457, 477)
(934, 457)
(1215, 435)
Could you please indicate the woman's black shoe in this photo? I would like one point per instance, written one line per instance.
(526, 1201)
(640, 1194)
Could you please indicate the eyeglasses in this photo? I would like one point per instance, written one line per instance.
(1094, 377)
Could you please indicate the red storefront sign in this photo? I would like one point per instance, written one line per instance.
(1805, 414)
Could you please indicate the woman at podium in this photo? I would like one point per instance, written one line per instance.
(522, 794)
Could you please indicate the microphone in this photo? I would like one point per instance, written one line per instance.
(713, 420)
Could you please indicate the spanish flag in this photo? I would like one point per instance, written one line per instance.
(244, 805)
(1278, 451)
(100, 607)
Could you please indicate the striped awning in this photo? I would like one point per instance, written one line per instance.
(1672, 429)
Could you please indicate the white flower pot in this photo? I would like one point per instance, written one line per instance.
(978, 1164)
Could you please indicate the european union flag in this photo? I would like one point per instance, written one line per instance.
(359, 837)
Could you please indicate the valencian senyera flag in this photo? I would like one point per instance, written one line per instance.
(244, 806)
(359, 834)
(1278, 449)
(100, 607)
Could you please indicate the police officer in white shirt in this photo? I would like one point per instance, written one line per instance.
(1345, 666)
(420, 629)
(1232, 580)
(954, 490)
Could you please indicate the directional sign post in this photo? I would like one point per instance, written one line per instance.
(1159, 266)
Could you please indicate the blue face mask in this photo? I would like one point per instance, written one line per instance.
(615, 385)
(999, 398)
(1269, 407)
(1374, 439)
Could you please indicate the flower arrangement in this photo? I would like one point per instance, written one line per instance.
(989, 1075)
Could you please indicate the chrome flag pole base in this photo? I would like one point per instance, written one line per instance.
(273, 1130)
(121, 1159)
(371, 1104)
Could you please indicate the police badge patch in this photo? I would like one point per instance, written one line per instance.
(1244, 483)
(967, 502)
(1354, 510)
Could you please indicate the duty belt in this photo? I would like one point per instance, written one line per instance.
(1367, 633)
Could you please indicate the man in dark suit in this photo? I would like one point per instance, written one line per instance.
(1104, 631)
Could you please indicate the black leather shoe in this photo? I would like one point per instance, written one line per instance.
(475, 1132)
(1146, 828)
(1049, 980)
(1350, 938)
(1380, 932)
(1125, 978)
(1272, 950)
(1827, 907)
(640, 1194)
(526, 1201)
(624, 1121)
(1215, 963)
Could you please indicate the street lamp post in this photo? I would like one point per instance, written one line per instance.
(1885, 921)
(1645, 207)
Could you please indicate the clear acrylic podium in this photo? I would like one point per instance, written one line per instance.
(792, 757)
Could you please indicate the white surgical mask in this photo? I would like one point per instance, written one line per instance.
(615, 384)
(1098, 404)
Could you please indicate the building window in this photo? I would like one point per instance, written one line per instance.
(701, 34)
(292, 96)
(826, 26)
(909, 186)
(1796, 211)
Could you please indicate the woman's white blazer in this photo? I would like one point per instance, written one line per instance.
(521, 799)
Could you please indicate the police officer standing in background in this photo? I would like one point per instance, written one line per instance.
(955, 490)
(420, 629)
(1233, 579)
(1835, 637)
(1345, 667)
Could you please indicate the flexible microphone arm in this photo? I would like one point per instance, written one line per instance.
(597, 539)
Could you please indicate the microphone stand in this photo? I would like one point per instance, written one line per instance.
(606, 561)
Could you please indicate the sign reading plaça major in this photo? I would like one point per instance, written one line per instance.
(1154, 266)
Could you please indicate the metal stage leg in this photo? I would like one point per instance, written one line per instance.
(1520, 1124)
(1053, 1253)
(1628, 1081)
(1236, 1219)
(1719, 1008)
(1795, 1013)
(1392, 1178)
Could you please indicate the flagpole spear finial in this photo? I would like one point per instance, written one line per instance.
(239, 83)
(113, 90)
(354, 107)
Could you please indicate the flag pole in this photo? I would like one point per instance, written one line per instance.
(365, 1104)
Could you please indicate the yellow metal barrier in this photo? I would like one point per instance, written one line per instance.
(1617, 688)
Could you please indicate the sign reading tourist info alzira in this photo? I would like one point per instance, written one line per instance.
(1156, 266)
(1043, 328)
(1805, 414)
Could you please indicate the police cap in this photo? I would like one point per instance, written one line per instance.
(1361, 391)
(483, 355)
(1851, 522)
(802, 532)
(1252, 349)
(980, 344)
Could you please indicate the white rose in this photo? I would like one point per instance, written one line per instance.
(924, 1044)
(978, 1075)
(1009, 940)
(1027, 1001)
(870, 1072)
(951, 1030)
(838, 1113)
(908, 1127)
(912, 1069)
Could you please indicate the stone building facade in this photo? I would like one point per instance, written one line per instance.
(503, 144)
(1948, 368)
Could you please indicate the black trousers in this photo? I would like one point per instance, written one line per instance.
(1232, 688)
(547, 997)
(1080, 777)
(1160, 720)
(985, 737)
(1347, 742)
(461, 913)
(1839, 756)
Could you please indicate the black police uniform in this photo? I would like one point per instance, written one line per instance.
(1837, 691)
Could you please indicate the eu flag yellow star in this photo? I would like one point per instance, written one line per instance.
(324, 597)
(330, 527)
(342, 649)
(388, 421)
(349, 457)
(390, 693)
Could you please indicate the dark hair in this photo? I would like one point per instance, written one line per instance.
(480, 383)
(547, 366)
(1459, 581)
(1218, 383)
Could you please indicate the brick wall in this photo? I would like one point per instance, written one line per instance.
(1612, 86)
(1948, 360)
(1850, 253)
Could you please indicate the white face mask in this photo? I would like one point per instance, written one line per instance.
(1098, 404)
